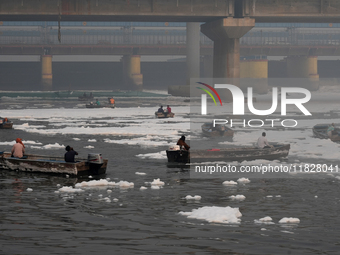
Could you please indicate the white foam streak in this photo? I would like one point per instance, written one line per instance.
(215, 214)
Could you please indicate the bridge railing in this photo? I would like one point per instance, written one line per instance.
(256, 37)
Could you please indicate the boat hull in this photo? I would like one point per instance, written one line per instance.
(49, 164)
(7, 125)
(164, 116)
(228, 155)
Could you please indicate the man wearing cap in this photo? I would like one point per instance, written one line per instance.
(18, 149)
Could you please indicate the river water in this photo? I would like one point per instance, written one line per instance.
(37, 218)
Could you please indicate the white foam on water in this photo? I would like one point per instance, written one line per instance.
(74, 121)
(52, 146)
(104, 182)
(125, 184)
(89, 147)
(92, 140)
(215, 214)
(243, 180)
(29, 189)
(143, 188)
(157, 182)
(155, 187)
(288, 232)
(156, 155)
(142, 141)
(25, 126)
(196, 197)
(289, 220)
(67, 189)
(229, 183)
(140, 173)
(237, 197)
(264, 220)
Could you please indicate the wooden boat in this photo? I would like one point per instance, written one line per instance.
(161, 115)
(5, 125)
(94, 165)
(320, 131)
(218, 130)
(228, 154)
(100, 106)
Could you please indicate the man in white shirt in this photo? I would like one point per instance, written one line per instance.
(262, 142)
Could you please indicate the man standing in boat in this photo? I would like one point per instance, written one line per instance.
(181, 142)
(262, 142)
(70, 154)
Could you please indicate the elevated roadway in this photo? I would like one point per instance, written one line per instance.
(269, 41)
(175, 10)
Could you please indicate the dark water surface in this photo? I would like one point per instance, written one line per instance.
(147, 222)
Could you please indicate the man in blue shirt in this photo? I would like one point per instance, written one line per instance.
(161, 109)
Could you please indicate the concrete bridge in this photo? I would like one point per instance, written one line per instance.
(226, 21)
(175, 10)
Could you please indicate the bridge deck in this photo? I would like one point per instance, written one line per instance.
(175, 10)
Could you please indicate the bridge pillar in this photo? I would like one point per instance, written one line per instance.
(304, 67)
(226, 34)
(132, 77)
(193, 50)
(46, 72)
(257, 70)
